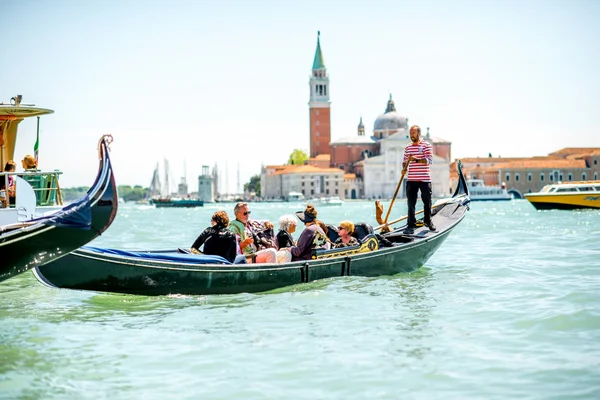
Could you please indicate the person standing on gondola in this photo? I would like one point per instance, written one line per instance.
(418, 156)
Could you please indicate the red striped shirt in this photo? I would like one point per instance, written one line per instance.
(417, 171)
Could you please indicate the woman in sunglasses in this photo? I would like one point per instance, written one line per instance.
(345, 230)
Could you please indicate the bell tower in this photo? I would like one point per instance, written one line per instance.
(319, 105)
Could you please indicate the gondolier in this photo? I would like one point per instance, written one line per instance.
(418, 156)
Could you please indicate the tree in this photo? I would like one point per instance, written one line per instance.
(72, 194)
(128, 193)
(253, 185)
(298, 157)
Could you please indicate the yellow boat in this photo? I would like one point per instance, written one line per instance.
(567, 196)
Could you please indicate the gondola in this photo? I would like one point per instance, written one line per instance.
(175, 272)
(40, 240)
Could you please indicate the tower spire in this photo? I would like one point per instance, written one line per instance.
(390, 105)
(318, 62)
(361, 128)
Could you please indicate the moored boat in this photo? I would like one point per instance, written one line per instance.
(34, 241)
(567, 196)
(326, 201)
(295, 196)
(479, 191)
(175, 272)
(175, 202)
(37, 191)
(159, 197)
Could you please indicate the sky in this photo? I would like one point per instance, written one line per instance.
(226, 82)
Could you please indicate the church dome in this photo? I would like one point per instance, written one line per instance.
(391, 119)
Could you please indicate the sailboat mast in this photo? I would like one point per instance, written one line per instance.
(154, 189)
(167, 187)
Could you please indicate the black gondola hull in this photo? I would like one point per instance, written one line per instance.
(46, 239)
(162, 273)
(89, 270)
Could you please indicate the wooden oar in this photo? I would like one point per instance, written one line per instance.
(396, 220)
(438, 203)
(385, 221)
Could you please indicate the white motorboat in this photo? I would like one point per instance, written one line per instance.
(295, 196)
(479, 191)
(326, 201)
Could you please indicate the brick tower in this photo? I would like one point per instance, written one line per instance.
(319, 105)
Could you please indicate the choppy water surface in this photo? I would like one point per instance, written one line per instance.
(508, 307)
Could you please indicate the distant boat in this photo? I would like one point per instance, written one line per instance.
(567, 196)
(176, 202)
(159, 197)
(480, 192)
(295, 196)
(326, 201)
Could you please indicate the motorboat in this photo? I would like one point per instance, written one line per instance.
(479, 191)
(567, 196)
(47, 197)
(326, 201)
(295, 196)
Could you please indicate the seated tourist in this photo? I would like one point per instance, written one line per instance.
(248, 240)
(287, 226)
(265, 234)
(346, 239)
(312, 237)
(10, 166)
(217, 239)
(28, 163)
(328, 245)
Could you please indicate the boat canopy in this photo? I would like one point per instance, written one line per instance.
(10, 117)
(162, 256)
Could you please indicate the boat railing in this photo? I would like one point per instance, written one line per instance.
(44, 184)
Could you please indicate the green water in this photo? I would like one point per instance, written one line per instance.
(508, 307)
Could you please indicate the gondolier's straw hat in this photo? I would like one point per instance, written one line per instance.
(308, 215)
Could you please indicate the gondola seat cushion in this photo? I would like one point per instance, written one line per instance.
(362, 229)
(332, 233)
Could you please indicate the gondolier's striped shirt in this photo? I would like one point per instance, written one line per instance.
(416, 171)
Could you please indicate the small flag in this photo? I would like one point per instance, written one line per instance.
(36, 146)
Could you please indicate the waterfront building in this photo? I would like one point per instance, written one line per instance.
(182, 187)
(205, 186)
(349, 150)
(277, 181)
(531, 174)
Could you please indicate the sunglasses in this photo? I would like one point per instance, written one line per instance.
(247, 212)
(340, 228)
